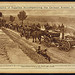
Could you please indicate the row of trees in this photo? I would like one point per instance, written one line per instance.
(22, 16)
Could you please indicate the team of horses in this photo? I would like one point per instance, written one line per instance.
(34, 31)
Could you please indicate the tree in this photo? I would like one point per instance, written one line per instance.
(22, 16)
(12, 18)
(3, 21)
(0, 14)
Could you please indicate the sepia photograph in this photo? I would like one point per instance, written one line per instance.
(35, 33)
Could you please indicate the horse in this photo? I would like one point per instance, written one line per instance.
(37, 34)
(33, 31)
(25, 32)
(6, 25)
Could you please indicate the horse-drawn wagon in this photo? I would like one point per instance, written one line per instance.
(65, 43)
(51, 37)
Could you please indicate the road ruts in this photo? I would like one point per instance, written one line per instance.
(26, 48)
(10, 53)
(29, 48)
(4, 58)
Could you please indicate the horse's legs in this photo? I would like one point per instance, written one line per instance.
(39, 40)
(21, 34)
(28, 36)
(49, 59)
(17, 29)
(33, 39)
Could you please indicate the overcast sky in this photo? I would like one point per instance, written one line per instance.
(49, 12)
(42, 12)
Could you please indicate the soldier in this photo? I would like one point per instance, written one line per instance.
(33, 27)
(38, 50)
(44, 52)
(38, 26)
(17, 27)
(58, 26)
(62, 30)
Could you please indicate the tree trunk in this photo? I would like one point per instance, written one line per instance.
(22, 22)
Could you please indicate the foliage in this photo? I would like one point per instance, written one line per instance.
(12, 18)
(22, 16)
(3, 21)
(0, 14)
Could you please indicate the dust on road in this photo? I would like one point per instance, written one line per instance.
(29, 48)
(56, 55)
(10, 53)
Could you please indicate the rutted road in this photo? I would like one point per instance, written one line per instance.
(10, 53)
(29, 48)
(25, 47)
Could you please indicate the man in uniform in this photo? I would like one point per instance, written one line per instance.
(38, 50)
(38, 26)
(41, 51)
(62, 30)
(44, 52)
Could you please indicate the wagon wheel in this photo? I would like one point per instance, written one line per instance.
(64, 45)
(47, 41)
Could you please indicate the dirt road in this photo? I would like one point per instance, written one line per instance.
(29, 48)
(10, 53)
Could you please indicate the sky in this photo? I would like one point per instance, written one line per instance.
(70, 12)
(63, 13)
